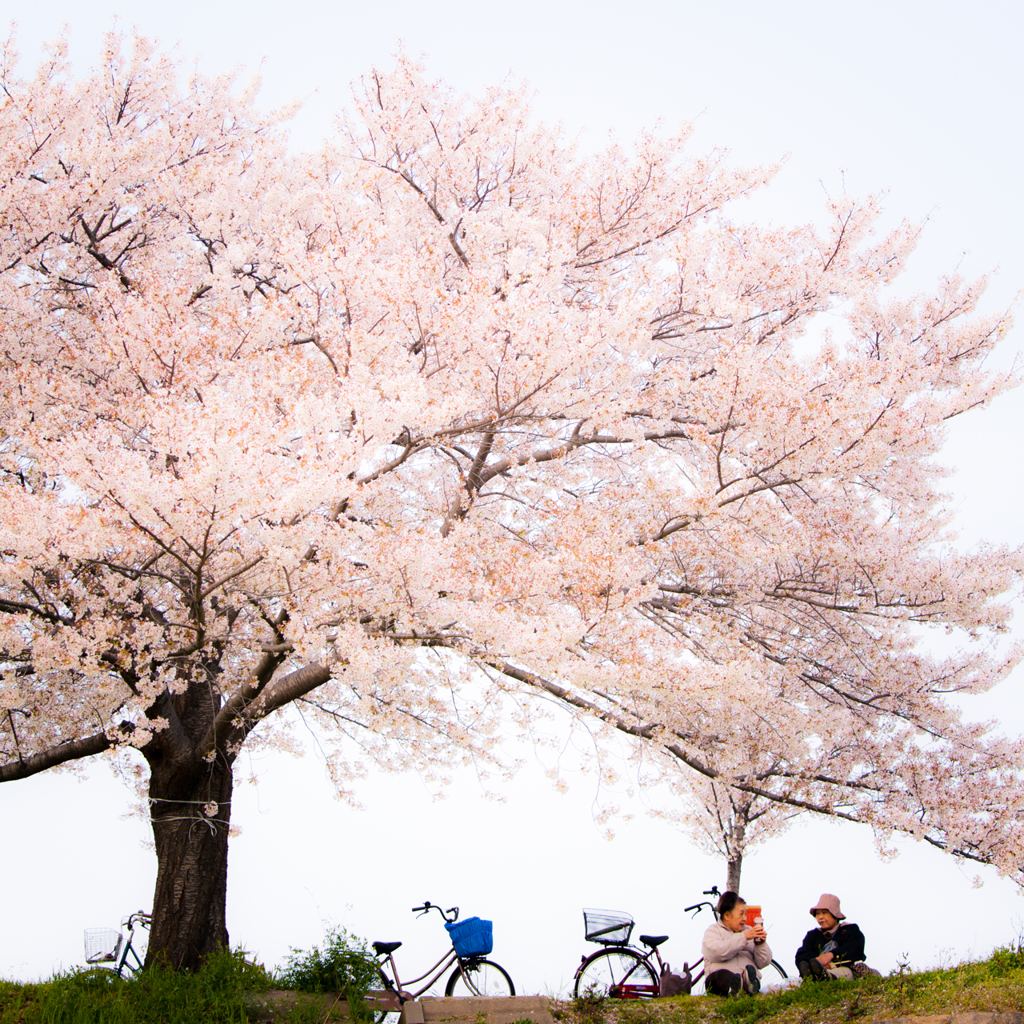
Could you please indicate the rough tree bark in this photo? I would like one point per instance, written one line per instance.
(190, 813)
(735, 865)
(735, 842)
(191, 777)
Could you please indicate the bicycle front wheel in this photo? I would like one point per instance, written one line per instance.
(614, 972)
(99, 976)
(480, 978)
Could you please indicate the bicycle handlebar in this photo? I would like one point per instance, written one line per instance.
(451, 914)
(697, 907)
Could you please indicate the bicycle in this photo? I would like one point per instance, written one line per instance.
(622, 971)
(474, 974)
(105, 946)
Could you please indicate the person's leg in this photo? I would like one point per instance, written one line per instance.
(722, 983)
(838, 972)
(861, 970)
(811, 969)
(750, 981)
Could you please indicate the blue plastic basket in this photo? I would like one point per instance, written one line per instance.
(472, 937)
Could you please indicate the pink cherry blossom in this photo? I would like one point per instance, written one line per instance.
(445, 417)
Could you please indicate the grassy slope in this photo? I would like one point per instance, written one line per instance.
(996, 984)
(219, 993)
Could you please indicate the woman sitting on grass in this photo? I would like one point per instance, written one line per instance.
(733, 953)
(832, 950)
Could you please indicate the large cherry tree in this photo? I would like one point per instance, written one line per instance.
(443, 417)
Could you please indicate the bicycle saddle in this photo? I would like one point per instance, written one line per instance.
(653, 940)
(383, 948)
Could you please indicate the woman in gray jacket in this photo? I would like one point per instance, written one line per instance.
(733, 953)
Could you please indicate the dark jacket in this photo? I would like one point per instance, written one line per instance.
(849, 948)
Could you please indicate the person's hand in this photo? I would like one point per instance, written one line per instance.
(757, 933)
(825, 959)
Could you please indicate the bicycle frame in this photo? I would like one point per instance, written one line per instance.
(123, 961)
(428, 977)
(395, 994)
(131, 922)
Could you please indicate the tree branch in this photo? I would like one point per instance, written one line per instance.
(73, 750)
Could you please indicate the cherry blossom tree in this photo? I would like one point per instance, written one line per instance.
(734, 822)
(725, 822)
(738, 773)
(446, 416)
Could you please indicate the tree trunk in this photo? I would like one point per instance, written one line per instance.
(735, 863)
(736, 841)
(190, 811)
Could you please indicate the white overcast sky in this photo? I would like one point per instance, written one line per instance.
(919, 98)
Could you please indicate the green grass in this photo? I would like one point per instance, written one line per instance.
(230, 985)
(230, 989)
(216, 995)
(995, 984)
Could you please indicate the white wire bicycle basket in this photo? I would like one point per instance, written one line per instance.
(608, 927)
(101, 945)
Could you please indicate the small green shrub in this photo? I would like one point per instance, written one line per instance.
(1005, 961)
(590, 1008)
(345, 965)
(906, 984)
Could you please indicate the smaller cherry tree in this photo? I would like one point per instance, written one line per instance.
(725, 822)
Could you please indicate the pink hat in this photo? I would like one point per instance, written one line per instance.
(831, 904)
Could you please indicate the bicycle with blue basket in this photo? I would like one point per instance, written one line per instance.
(474, 975)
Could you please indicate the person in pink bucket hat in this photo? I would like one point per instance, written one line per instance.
(834, 949)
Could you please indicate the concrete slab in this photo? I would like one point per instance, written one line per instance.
(478, 1010)
(278, 1004)
(988, 1018)
(973, 1017)
(412, 1013)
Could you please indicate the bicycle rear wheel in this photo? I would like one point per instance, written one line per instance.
(773, 974)
(480, 978)
(613, 972)
(383, 1014)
